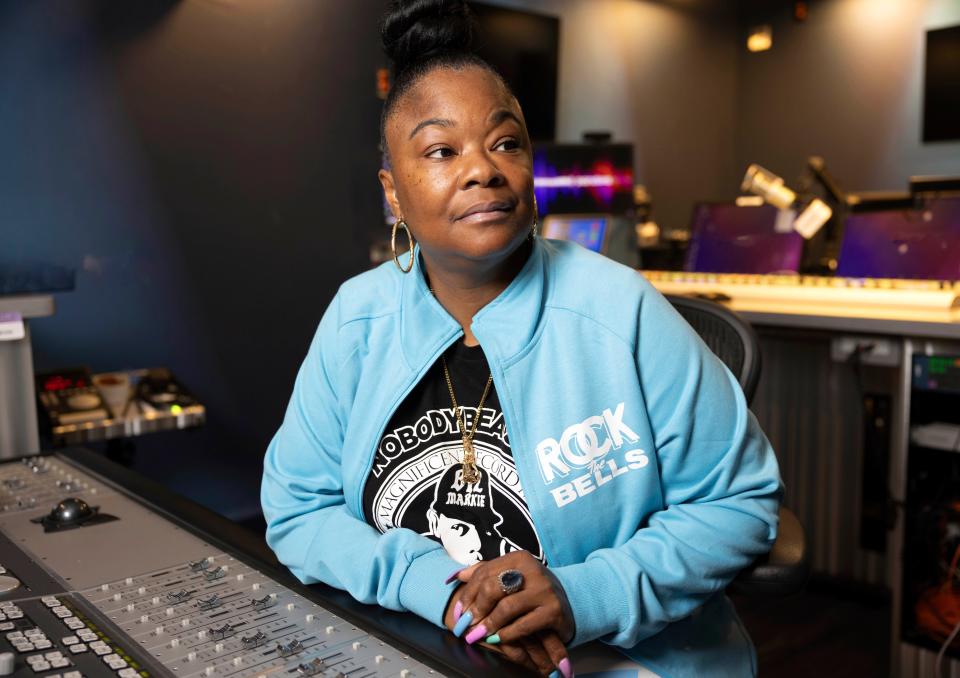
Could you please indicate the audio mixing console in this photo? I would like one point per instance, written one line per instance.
(97, 581)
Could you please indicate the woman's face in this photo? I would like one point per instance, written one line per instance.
(461, 171)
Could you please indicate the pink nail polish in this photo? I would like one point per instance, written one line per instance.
(453, 576)
(475, 635)
(566, 668)
(457, 611)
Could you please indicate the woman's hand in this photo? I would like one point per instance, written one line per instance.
(535, 621)
(543, 653)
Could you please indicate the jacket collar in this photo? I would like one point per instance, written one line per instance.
(504, 327)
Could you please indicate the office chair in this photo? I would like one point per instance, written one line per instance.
(785, 569)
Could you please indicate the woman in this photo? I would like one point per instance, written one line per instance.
(521, 407)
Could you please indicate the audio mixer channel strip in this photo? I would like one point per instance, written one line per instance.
(95, 584)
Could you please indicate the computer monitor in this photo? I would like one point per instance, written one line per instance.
(919, 243)
(730, 238)
(583, 178)
(590, 230)
(941, 98)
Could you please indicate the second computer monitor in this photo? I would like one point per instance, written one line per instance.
(919, 243)
(730, 238)
(590, 230)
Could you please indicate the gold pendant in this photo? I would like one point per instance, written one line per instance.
(471, 474)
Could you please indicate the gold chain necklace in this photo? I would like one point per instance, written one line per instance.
(471, 474)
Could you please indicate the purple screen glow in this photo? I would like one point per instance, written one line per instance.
(919, 244)
(583, 178)
(727, 238)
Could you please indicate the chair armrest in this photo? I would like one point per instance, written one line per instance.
(782, 571)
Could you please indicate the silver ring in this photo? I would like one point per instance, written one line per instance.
(511, 581)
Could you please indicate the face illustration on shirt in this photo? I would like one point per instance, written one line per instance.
(460, 539)
(456, 518)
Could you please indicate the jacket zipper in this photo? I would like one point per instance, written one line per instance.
(383, 426)
(534, 506)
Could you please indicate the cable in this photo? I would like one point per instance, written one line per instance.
(943, 648)
(938, 668)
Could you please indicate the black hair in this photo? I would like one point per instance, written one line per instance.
(420, 36)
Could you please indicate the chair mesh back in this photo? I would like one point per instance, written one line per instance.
(718, 335)
(730, 337)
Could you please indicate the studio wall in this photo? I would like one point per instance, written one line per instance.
(846, 84)
(662, 75)
(209, 169)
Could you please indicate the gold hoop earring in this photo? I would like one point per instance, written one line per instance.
(393, 245)
(536, 217)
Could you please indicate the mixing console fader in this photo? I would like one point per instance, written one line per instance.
(40, 482)
(218, 617)
(95, 582)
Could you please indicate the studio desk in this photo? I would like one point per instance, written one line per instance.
(835, 400)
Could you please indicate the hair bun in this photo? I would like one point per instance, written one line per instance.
(415, 30)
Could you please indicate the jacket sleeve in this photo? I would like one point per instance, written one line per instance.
(309, 525)
(721, 491)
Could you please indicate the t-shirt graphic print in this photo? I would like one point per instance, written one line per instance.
(417, 480)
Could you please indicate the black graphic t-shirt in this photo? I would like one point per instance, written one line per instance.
(416, 480)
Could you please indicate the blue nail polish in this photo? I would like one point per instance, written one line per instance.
(554, 674)
(465, 620)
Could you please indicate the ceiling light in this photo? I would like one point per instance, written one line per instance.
(760, 38)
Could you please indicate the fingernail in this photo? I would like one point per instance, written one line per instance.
(462, 624)
(453, 576)
(476, 634)
(457, 611)
(554, 674)
(566, 668)
(492, 640)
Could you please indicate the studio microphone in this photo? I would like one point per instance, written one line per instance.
(812, 213)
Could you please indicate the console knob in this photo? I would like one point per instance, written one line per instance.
(69, 512)
(7, 584)
(7, 661)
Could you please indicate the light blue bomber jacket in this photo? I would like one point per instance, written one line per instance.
(649, 481)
